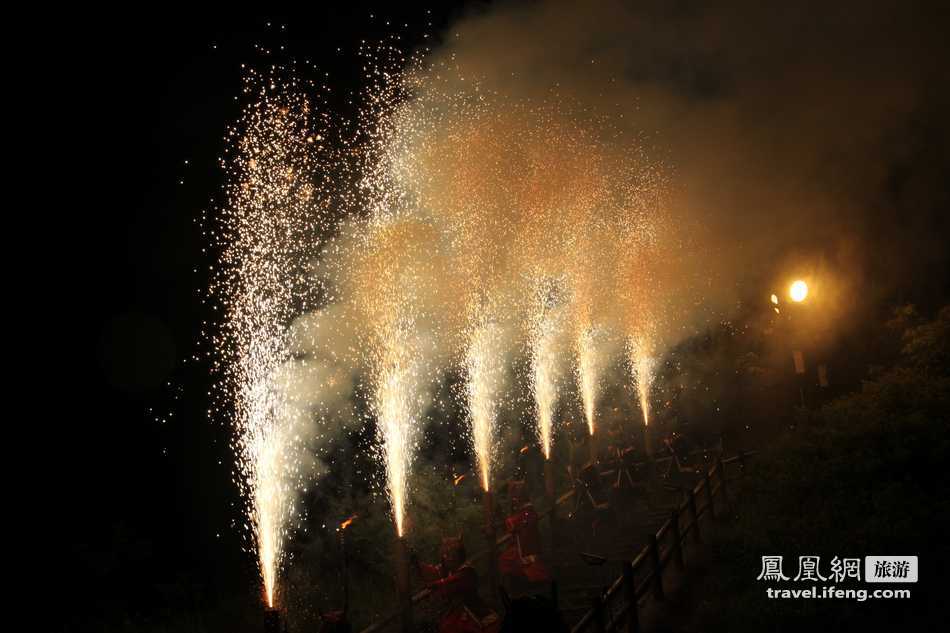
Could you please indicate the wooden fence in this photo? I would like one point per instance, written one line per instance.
(618, 608)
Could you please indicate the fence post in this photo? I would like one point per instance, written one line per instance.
(707, 480)
(657, 568)
(600, 620)
(697, 537)
(402, 586)
(722, 483)
(492, 537)
(630, 594)
(551, 496)
(677, 540)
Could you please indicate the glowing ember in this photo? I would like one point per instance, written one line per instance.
(349, 522)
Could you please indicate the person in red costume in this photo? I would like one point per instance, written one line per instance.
(334, 622)
(521, 561)
(456, 583)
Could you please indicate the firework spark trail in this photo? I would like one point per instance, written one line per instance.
(545, 373)
(588, 373)
(484, 375)
(396, 405)
(642, 366)
(265, 230)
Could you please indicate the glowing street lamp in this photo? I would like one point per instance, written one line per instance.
(798, 291)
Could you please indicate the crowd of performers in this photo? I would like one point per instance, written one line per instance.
(604, 478)
(600, 478)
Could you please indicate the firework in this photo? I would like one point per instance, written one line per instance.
(272, 203)
(395, 404)
(484, 374)
(588, 371)
(545, 369)
(642, 367)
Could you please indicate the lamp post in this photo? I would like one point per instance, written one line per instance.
(797, 293)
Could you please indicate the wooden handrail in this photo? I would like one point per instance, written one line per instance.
(713, 484)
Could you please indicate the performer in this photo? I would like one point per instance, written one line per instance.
(456, 582)
(616, 443)
(522, 558)
(681, 449)
(631, 475)
(335, 622)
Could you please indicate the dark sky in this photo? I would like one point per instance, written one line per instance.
(132, 97)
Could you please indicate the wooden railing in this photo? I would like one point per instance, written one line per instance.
(618, 608)
(653, 551)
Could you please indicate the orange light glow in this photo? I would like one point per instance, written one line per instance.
(798, 291)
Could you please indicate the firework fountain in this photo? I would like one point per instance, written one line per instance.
(642, 365)
(396, 406)
(484, 377)
(544, 352)
(545, 376)
(272, 204)
(484, 371)
(588, 370)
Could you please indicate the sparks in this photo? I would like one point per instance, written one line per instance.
(263, 233)
(641, 365)
(545, 371)
(589, 366)
(484, 373)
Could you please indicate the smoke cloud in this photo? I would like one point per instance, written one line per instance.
(641, 169)
(779, 124)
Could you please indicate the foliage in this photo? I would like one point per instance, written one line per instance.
(863, 475)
